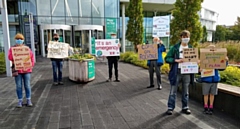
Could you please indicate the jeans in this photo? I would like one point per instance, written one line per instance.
(153, 65)
(112, 62)
(57, 66)
(25, 78)
(185, 78)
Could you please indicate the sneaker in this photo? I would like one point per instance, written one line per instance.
(210, 111)
(29, 103)
(205, 111)
(60, 83)
(169, 112)
(151, 86)
(109, 80)
(55, 83)
(186, 111)
(20, 104)
(160, 87)
(117, 80)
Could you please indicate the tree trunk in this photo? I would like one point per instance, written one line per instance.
(135, 47)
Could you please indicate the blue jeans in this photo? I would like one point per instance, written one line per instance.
(185, 78)
(25, 78)
(57, 66)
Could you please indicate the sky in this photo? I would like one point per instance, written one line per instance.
(228, 10)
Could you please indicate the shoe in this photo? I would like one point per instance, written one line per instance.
(60, 83)
(151, 86)
(169, 112)
(29, 103)
(205, 111)
(117, 80)
(55, 83)
(160, 87)
(186, 111)
(109, 80)
(20, 104)
(210, 111)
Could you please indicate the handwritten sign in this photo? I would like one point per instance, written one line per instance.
(57, 50)
(107, 47)
(148, 52)
(213, 58)
(190, 55)
(189, 67)
(22, 58)
(207, 73)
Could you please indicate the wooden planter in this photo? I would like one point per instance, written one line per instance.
(81, 71)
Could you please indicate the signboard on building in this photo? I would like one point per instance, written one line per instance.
(57, 50)
(110, 27)
(22, 58)
(161, 26)
(107, 47)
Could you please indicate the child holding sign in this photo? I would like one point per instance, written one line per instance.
(210, 79)
(23, 61)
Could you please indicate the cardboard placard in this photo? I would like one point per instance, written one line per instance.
(190, 55)
(213, 58)
(57, 50)
(22, 58)
(207, 73)
(189, 67)
(148, 52)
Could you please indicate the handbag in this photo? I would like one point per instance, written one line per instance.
(14, 71)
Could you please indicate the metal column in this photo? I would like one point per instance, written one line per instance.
(6, 39)
(32, 35)
(43, 44)
(123, 29)
(90, 41)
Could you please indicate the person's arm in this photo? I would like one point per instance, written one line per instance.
(170, 56)
(32, 58)
(163, 49)
(10, 56)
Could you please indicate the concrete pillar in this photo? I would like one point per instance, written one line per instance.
(90, 42)
(123, 29)
(6, 39)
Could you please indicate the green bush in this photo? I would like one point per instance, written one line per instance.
(2, 63)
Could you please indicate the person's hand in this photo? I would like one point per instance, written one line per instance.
(179, 60)
(119, 45)
(200, 70)
(226, 58)
(198, 61)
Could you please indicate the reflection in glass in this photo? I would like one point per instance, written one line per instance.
(97, 21)
(111, 8)
(71, 7)
(58, 8)
(27, 6)
(97, 8)
(85, 21)
(72, 20)
(44, 20)
(58, 20)
(85, 8)
(43, 8)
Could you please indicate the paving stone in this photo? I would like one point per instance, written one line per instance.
(53, 126)
(55, 117)
(86, 119)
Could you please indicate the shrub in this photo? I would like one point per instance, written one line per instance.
(2, 63)
(231, 76)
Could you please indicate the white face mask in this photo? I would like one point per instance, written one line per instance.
(185, 40)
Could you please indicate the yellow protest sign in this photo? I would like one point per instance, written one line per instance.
(207, 72)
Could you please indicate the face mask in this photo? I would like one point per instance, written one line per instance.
(19, 41)
(56, 39)
(185, 40)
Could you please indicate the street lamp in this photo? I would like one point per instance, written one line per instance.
(6, 39)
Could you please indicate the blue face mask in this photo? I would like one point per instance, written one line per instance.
(19, 41)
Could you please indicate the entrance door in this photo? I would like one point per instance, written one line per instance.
(47, 32)
(84, 35)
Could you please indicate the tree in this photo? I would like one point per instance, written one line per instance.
(236, 30)
(205, 34)
(220, 34)
(185, 17)
(135, 24)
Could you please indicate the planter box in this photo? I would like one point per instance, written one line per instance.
(227, 100)
(81, 71)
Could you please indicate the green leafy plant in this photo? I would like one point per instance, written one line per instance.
(2, 63)
(78, 54)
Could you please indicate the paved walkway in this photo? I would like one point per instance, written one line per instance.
(101, 105)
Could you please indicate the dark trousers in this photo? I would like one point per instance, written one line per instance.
(57, 68)
(154, 66)
(112, 62)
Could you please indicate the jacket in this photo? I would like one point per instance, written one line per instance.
(170, 58)
(10, 57)
(160, 61)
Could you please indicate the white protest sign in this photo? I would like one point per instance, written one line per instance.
(189, 67)
(161, 26)
(57, 50)
(107, 47)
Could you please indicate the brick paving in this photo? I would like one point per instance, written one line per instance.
(101, 105)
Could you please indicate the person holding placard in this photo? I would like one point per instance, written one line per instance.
(57, 65)
(209, 80)
(175, 57)
(22, 56)
(156, 64)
